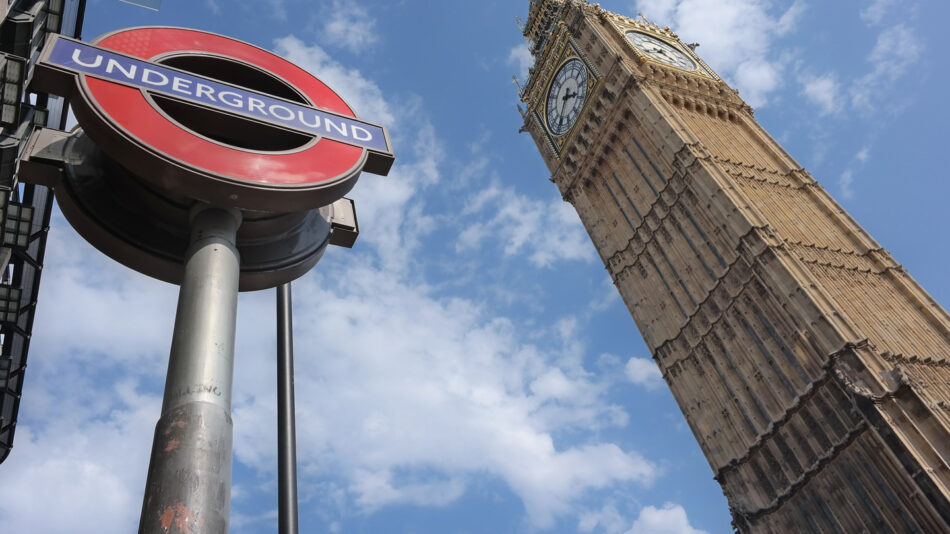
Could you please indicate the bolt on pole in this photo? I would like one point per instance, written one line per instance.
(188, 489)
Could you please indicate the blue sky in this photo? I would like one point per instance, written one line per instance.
(468, 368)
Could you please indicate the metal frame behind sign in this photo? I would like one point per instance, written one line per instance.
(22, 265)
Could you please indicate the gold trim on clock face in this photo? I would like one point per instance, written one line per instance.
(566, 96)
(660, 50)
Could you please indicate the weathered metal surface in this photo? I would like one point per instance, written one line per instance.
(189, 479)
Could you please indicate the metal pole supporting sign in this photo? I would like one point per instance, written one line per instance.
(189, 475)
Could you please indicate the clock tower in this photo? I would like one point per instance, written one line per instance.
(812, 369)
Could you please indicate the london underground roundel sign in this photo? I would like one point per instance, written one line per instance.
(214, 119)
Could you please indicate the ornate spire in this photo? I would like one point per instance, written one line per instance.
(542, 15)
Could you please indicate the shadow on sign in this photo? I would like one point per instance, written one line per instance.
(150, 4)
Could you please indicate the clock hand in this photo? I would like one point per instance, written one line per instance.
(564, 98)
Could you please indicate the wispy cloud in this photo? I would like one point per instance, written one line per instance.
(520, 57)
(545, 231)
(863, 155)
(874, 14)
(644, 372)
(823, 91)
(350, 26)
(608, 520)
(897, 49)
(846, 182)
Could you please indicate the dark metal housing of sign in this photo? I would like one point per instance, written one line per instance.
(149, 232)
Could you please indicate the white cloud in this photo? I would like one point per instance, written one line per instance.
(789, 20)
(607, 519)
(553, 385)
(660, 11)
(846, 184)
(757, 79)
(520, 57)
(375, 489)
(351, 26)
(407, 407)
(874, 13)
(896, 50)
(736, 37)
(76, 470)
(846, 180)
(544, 231)
(644, 372)
(671, 519)
(823, 91)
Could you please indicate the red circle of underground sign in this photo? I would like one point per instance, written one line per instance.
(128, 108)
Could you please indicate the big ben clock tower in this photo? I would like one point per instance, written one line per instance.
(812, 369)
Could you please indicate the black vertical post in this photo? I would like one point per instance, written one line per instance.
(286, 426)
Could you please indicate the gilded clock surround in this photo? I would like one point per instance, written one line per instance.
(566, 107)
(567, 53)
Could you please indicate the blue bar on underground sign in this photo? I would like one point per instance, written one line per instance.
(107, 65)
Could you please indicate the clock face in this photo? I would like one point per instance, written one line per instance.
(566, 96)
(661, 51)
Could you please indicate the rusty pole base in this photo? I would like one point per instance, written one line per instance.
(189, 475)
